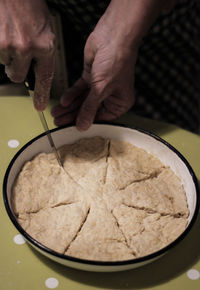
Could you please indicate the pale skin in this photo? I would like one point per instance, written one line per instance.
(26, 36)
(105, 90)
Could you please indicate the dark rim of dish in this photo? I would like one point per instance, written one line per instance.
(91, 262)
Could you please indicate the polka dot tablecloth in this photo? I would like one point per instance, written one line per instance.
(23, 268)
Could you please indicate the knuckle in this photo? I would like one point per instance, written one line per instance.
(24, 47)
(51, 42)
(19, 46)
(5, 45)
(52, 38)
(14, 77)
(47, 44)
(17, 78)
(99, 86)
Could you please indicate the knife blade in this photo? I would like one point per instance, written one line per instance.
(48, 134)
(46, 128)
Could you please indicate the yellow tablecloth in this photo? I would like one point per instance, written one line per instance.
(22, 268)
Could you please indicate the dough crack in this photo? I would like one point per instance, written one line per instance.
(152, 211)
(78, 231)
(108, 151)
(124, 236)
(153, 175)
(32, 212)
(107, 164)
(63, 203)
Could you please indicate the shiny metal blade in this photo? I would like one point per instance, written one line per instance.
(45, 126)
(48, 133)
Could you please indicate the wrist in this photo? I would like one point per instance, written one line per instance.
(27, 6)
(131, 19)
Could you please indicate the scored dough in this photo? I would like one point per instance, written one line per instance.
(112, 201)
(163, 194)
(127, 164)
(85, 161)
(145, 232)
(55, 227)
(100, 238)
(43, 183)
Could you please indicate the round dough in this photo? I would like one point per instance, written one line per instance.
(112, 201)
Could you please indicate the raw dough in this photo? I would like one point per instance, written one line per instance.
(112, 201)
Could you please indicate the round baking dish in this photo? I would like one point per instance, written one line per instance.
(146, 140)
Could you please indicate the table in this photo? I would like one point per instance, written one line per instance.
(22, 267)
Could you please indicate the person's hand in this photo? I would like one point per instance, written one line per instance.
(105, 90)
(26, 36)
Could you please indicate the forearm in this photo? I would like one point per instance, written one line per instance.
(133, 18)
(27, 6)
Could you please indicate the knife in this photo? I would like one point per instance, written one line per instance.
(45, 126)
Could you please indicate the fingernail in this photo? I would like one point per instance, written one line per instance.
(39, 105)
(83, 126)
(40, 102)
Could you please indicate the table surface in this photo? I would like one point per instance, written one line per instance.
(22, 267)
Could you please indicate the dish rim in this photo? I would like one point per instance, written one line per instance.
(97, 262)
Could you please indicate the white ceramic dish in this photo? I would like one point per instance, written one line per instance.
(151, 143)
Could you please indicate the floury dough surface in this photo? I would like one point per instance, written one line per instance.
(112, 201)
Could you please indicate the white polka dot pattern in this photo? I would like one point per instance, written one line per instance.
(13, 143)
(193, 274)
(51, 283)
(19, 240)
